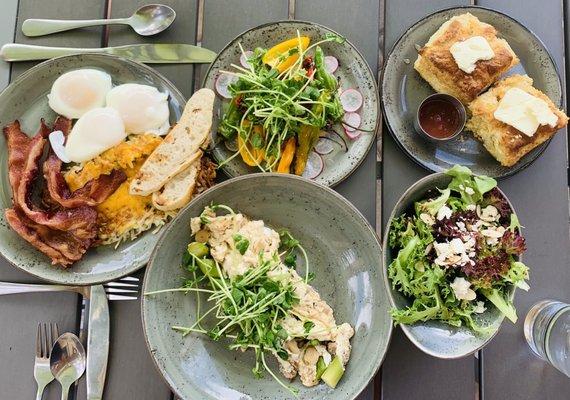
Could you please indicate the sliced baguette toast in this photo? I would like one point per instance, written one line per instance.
(180, 148)
(179, 190)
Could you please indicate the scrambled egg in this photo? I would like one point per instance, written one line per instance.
(263, 245)
(122, 216)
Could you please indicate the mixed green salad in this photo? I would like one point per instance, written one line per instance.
(457, 253)
(282, 101)
(257, 301)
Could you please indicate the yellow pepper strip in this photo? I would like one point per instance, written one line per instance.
(249, 154)
(287, 156)
(276, 57)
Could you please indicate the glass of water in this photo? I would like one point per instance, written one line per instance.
(547, 331)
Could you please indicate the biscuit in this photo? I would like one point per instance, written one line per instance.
(504, 142)
(436, 64)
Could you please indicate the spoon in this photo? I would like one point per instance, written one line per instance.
(146, 21)
(67, 361)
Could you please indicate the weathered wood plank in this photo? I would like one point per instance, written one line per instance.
(21, 313)
(540, 195)
(183, 30)
(407, 372)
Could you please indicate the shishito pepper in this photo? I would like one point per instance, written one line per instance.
(287, 156)
(283, 55)
(251, 155)
(308, 136)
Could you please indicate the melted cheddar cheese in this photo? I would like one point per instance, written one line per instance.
(122, 215)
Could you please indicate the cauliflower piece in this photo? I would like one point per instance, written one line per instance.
(341, 345)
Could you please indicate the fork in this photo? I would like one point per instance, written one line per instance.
(126, 288)
(44, 341)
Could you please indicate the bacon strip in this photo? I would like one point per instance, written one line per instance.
(81, 220)
(92, 193)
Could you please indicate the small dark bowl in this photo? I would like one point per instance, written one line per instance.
(450, 99)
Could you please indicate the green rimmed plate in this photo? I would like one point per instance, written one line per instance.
(353, 72)
(25, 99)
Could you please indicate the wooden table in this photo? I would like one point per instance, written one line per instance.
(504, 370)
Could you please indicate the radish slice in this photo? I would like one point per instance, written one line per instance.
(56, 140)
(351, 121)
(331, 64)
(314, 166)
(222, 83)
(324, 146)
(352, 134)
(351, 100)
(231, 145)
(243, 58)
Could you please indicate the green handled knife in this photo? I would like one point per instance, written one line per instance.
(145, 53)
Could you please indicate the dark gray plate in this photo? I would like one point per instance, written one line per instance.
(344, 253)
(25, 99)
(353, 71)
(403, 89)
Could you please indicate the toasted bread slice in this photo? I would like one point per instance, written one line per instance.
(179, 190)
(180, 148)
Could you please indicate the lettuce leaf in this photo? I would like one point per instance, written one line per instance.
(470, 187)
(432, 206)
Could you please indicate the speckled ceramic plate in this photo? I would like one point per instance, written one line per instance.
(403, 89)
(353, 72)
(434, 337)
(25, 99)
(345, 256)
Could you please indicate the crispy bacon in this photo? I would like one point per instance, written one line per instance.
(92, 193)
(62, 247)
(81, 220)
(63, 234)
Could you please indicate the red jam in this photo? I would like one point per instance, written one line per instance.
(439, 118)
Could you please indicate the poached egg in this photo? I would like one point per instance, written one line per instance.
(96, 131)
(143, 108)
(76, 92)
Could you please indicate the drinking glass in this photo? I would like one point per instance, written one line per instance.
(547, 331)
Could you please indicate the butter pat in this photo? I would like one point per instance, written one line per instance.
(468, 52)
(524, 111)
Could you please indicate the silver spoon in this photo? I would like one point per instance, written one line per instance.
(67, 361)
(146, 21)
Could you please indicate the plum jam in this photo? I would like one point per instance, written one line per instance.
(439, 118)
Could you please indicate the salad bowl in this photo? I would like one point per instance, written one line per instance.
(435, 337)
(345, 256)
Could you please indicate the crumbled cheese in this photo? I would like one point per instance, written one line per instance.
(444, 212)
(493, 234)
(454, 252)
(471, 207)
(461, 289)
(469, 191)
(524, 111)
(480, 307)
(468, 52)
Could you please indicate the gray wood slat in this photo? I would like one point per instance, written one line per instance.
(131, 373)
(21, 313)
(360, 26)
(183, 30)
(407, 373)
(359, 23)
(540, 196)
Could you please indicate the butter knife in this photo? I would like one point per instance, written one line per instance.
(97, 342)
(160, 53)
